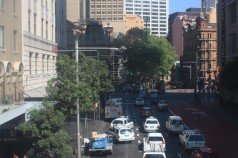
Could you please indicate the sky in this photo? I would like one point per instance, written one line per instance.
(182, 5)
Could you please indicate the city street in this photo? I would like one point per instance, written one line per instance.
(194, 118)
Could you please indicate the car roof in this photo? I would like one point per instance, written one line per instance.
(155, 135)
(175, 117)
(151, 118)
(146, 108)
(193, 132)
(162, 100)
(139, 98)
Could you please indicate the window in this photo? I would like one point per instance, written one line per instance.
(35, 23)
(43, 63)
(1, 3)
(232, 11)
(47, 63)
(14, 6)
(15, 40)
(42, 25)
(1, 37)
(30, 63)
(46, 30)
(233, 43)
(29, 20)
(36, 57)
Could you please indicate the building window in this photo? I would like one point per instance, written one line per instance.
(1, 3)
(46, 30)
(43, 64)
(233, 43)
(42, 25)
(47, 63)
(1, 37)
(232, 11)
(14, 40)
(35, 23)
(30, 63)
(29, 21)
(14, 6)
(36, 58)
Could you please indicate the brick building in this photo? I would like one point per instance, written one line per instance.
(200, 50)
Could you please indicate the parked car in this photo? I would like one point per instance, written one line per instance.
(139, 101)
(151, 124)
(142, 94)
(174, 124)
(204, 153)
(146, 111)
(192, 139)
(122, 134)
(162, 104)
(122, 121)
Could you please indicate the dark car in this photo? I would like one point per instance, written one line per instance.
(204, 153)
(146, 112)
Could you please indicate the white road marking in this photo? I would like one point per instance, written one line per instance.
(179, 155)
(138, 141)
(138, 135)
(140, 151)
(137, 129)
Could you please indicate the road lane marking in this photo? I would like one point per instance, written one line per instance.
(138, 135)
(138, 141)
(179, 155)
(137, 129)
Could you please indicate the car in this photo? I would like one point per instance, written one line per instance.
(122, 121)
(154, 93)
(162, 104)
(151, 124)
(139, 101)
(204, 153)
(154, 140)
(146, 112)
(142, 94)
(174, 124)
(122, 134)
(192, 139)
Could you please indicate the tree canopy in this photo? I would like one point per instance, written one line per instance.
(147, 56)
(44, 131)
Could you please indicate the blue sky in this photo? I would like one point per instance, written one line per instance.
(182, 5)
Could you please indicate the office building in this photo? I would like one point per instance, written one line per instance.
(154, 13)
(207, 4)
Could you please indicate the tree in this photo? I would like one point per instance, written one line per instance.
(44, 131)
(147, 55)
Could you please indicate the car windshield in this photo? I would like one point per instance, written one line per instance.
(154, 156)
(209, 155)
(151, 122)
(176, 122)
(139, 99)
(162, 102)
(118, 122)
(198, 137)
(155, 139)
(147, 110)
(126, 131)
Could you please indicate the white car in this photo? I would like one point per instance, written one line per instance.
(174, 124)
(192, 139)
(151, 124)
(162, 104)
(122, 134)
(122, 121)
(139, 101)
(154, 140)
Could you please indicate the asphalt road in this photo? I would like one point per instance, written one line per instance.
(134, 150)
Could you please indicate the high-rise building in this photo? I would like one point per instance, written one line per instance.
(207, 4)
(39, 45)
(60, 27)
(154, 13)
(176, 22)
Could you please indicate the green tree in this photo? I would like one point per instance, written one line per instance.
(148, 56)
(44, 131)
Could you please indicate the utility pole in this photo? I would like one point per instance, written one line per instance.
(77, 102)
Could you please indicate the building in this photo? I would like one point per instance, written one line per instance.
(154, 13)
(11, 66)
(227, 31)
(132, 21)
(189, 14)
(200, 51)
(60, 27)
(207, 4)
(39, 46)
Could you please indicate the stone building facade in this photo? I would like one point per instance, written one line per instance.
(200, 50)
